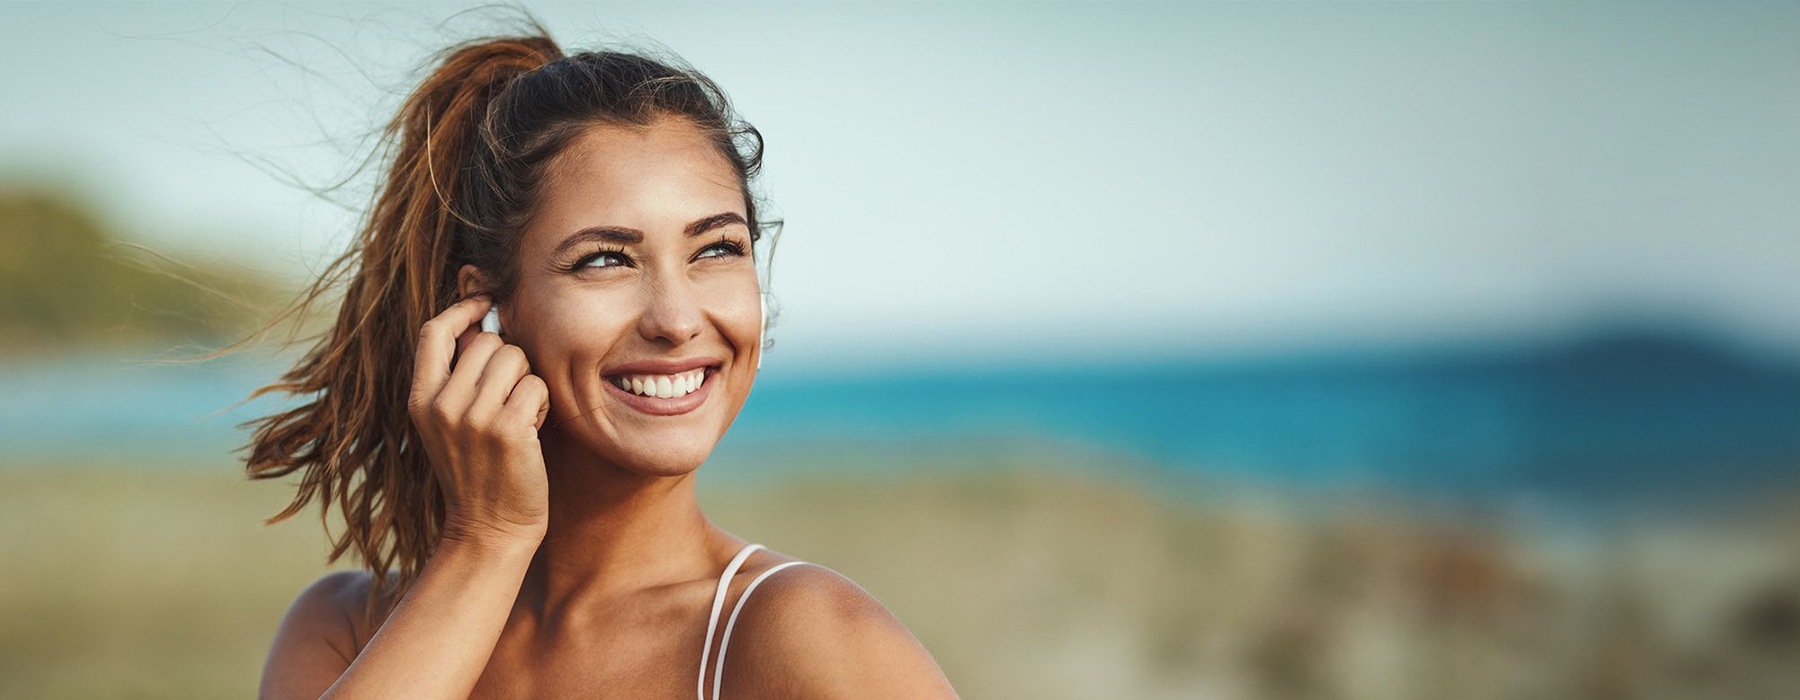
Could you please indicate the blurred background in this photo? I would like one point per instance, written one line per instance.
(1168, 350)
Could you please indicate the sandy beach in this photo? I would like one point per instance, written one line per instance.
(1024, 583)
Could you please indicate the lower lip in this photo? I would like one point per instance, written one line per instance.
(666, 407)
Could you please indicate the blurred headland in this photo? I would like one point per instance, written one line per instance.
(70, 283)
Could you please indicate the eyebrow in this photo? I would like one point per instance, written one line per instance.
(632, 236)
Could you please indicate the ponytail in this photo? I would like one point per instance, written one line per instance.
(354, 442)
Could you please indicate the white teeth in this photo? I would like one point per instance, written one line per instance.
(663, 386)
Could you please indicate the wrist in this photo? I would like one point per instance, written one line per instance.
(492, 539)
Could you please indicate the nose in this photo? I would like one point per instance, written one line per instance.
(673, 313)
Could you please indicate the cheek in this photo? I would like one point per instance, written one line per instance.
(582, 323)
(736, 308)
(569, 335)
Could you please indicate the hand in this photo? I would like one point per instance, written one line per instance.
(479, 422)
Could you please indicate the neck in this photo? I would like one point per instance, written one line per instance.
(613, 532)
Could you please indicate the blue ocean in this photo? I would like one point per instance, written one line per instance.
(1600, 418)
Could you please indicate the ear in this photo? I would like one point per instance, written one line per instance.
(471, 281)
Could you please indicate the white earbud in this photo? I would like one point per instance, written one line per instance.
(762, 321)
(491, 322)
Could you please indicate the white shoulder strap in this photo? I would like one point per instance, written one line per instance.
(719, 674)
(712, 622)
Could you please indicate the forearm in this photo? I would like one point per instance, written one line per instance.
(440, 635)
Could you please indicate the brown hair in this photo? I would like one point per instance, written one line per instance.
(468, 150)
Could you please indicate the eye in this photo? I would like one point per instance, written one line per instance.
(731, 248)
(601, 255)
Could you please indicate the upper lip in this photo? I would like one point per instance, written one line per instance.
(664, 366)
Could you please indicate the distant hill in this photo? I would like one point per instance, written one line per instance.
(67, 282)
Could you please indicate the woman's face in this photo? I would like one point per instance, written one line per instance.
(639, 253)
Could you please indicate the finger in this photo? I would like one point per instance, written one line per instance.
(530, 399)
(504, 368)
(437, 344)
(459, 391)
(543, 412)
(463, 340)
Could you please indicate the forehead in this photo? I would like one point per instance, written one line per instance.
(655, 179)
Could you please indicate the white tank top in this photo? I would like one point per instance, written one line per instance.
(712, 623)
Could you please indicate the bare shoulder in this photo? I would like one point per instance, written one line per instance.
(329, 607)
(318, 637)
(807, 631)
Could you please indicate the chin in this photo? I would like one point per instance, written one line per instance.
(650, 460)
(661, 464)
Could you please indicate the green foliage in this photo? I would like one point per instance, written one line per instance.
(66, 281)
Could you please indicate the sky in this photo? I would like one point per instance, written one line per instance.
(1009, 181)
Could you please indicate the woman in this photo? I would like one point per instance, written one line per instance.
(535, 486)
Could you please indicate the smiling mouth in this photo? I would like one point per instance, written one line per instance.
(663, 386)
(663, 394)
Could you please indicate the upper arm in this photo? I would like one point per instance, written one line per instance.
(809, 632)
(315, 642)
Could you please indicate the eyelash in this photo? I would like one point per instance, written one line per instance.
(731, 247)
